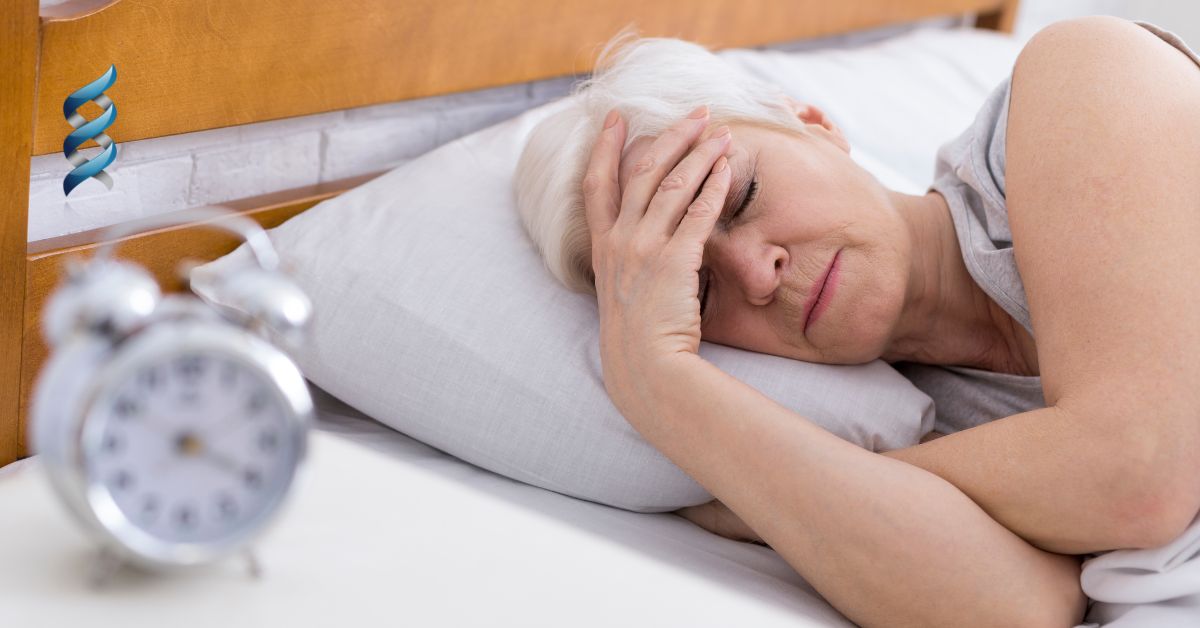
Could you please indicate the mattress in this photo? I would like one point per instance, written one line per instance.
(383, 528)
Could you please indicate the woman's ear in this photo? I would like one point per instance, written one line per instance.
(810, 114)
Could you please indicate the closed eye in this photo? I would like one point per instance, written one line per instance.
(751, 192)
(747, 196)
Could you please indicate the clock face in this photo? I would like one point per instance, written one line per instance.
(193, 447)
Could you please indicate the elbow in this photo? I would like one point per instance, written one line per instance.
(1143, 475)
(1157, 494)
(1156, 512)
(1055, 601)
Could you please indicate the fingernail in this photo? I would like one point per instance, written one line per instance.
(721, 132)
(699, 112)
(720, 165)
(611, 119)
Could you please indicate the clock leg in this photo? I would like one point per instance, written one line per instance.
(105, 566)
(252, 565)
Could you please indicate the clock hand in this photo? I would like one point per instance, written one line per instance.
(252, 477)
(217, 433)
(159, 428)
(192, 445)
(162, 465)
(221, 460)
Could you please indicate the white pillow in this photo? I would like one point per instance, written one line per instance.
(435, 315)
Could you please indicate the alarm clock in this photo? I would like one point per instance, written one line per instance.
(171, 430)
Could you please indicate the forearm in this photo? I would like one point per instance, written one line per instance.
(880, 539)
(1048, 476)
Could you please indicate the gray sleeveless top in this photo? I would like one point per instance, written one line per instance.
(970, 175)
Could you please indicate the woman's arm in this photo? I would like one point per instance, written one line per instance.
(1103, 149)
(1050, 478)
(887, 543)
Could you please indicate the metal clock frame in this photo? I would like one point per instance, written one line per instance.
(92, 502)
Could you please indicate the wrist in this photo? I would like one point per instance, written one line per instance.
(640, 386)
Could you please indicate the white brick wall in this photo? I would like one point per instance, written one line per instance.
(209, 167)
(250, 168)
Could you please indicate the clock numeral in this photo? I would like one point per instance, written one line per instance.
(123, 480)
(227, 508)
(252, 478)
(185, 517)
(229, 374)
(149, 507)
(268, 442)
(149, 377)
(126, 408)
(257, 401)
(190, 368)
(112, 443)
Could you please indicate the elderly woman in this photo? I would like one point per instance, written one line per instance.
(1070, 208)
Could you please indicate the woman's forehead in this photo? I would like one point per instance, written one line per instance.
(638, 147)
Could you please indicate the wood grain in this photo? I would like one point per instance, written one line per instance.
(1002, 19)
(18, 59)
(191, 65)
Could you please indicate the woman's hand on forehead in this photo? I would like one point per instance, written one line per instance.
(649, 219)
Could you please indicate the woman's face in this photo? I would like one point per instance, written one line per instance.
(808, 204)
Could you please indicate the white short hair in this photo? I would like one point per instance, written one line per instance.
(653, 82)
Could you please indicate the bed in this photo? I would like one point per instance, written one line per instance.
(55, 53)
(668, 564)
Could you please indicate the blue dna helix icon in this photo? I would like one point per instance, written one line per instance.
(90, 130)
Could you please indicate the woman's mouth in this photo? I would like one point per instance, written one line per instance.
(822, 293)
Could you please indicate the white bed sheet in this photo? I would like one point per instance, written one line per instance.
(758, 573)
(408, 535)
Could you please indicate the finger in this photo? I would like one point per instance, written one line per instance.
(656, 162)
(702, 214)
(601, 192)
(679, 187)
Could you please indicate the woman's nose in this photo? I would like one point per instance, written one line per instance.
(759, 271)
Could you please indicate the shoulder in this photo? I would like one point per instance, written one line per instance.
(1093, 55)
(1098, 84)
(1096, 100)
(1084, 36)
(1089, 95)
(1092, 29)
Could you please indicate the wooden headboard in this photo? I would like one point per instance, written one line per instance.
(190, 65)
